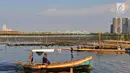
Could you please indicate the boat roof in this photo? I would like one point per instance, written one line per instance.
(43, 50)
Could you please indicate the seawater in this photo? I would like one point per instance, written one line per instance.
(102, 63)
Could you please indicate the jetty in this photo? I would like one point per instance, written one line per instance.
(100, 50)
(110, 45)
(41, 44)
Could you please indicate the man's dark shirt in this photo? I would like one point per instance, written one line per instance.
(45, 60)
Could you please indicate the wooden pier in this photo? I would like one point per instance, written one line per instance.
(99, 50)
(111, 45)
(39, 44)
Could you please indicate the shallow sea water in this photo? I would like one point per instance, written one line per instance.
(102, 63)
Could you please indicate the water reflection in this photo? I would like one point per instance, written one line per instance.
(7, 67)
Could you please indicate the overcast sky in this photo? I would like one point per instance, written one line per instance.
(60, 15)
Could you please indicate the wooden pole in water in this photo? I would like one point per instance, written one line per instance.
(99, 39)
(71, 70)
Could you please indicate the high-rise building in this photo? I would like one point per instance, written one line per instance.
(120, 25)
(120, 29)
(124, 25)
(128, 25)
(111, 28)
(116, 25)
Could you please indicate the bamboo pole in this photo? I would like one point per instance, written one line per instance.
(99, 38)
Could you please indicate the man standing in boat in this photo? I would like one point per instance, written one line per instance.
(45, 60)
(31, 59)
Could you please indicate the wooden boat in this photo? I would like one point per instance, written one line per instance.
(80, 64)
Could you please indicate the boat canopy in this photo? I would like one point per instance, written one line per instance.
(43, 50)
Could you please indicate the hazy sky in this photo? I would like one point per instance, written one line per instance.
(59, 15)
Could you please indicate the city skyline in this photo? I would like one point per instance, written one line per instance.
(120, 25)
(60, 15)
